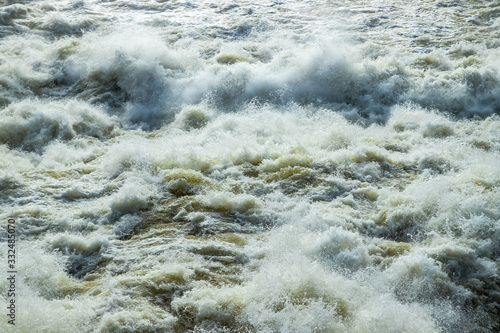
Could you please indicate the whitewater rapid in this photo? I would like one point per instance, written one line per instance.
(239, 166)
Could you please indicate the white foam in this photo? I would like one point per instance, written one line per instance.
(292, 167)
(31, 125)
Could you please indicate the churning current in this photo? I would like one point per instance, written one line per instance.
(250, 166)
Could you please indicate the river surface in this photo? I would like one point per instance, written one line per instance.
(251, 166)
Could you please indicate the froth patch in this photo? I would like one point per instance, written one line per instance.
(417, 275)
(282, 296)
(228, 202)
(59, 24)
(50, 279)
(75, 193)
(140, 318)
(12, 12)
(185, 182)
(84, 254)
(31, 125)
(134, 196)
(281, 162)
(483, 175)
(9, 180)
(132, 71)
(36, 313)
(190, 118)
(67, 243)
(438, 130)
(383, 314)
(340, 249)
(230, 59)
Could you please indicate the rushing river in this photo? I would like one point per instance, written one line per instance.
(250, 166)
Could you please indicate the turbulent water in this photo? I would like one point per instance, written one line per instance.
(251, 166)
